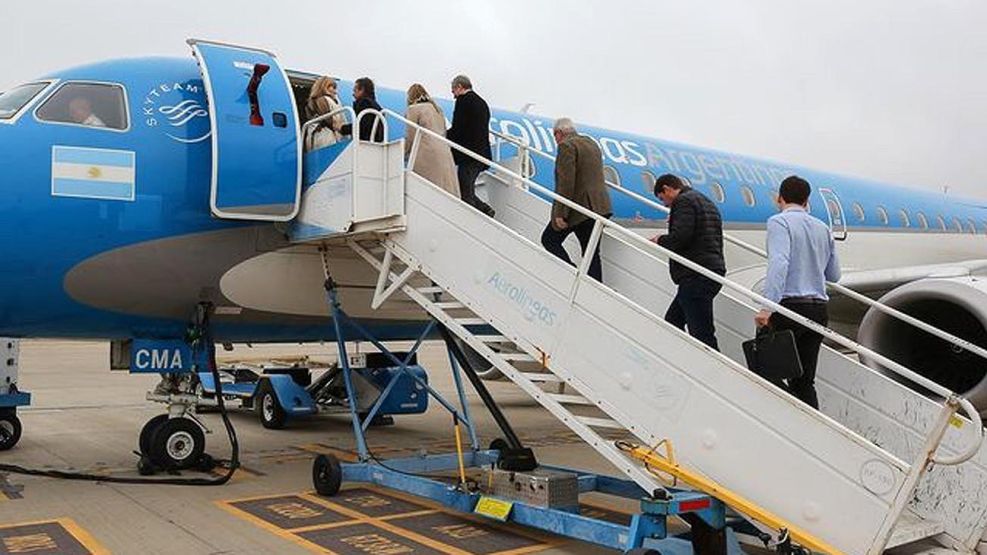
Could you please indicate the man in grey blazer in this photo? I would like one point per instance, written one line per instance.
(579, 178)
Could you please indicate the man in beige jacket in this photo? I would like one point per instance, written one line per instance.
(579, 178)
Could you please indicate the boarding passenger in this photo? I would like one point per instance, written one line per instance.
(365, 98)
(433, 161)
(81, 112)
(470, 130)
(801, 258)
(695, 231)
(579, 178)
(322, 100)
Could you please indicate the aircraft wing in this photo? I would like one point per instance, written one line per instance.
(883, 280)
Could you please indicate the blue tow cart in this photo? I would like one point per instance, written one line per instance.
(279, 393)
(10, 396)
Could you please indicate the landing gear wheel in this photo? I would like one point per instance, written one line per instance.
(177, 444)
(327, 475)
(272, 416)
(10, 430)
(147, 433)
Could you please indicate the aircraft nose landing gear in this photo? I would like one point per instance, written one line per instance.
(177, 440)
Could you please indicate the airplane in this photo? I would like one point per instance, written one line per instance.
(132, 196)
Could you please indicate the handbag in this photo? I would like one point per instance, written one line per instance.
(773, 355)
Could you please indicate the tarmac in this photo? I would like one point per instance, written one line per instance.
(86, 418)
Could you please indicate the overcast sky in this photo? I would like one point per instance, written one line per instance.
(888, 89)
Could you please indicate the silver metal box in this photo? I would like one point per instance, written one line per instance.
(540, 488)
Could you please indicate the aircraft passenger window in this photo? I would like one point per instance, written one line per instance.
(957, 225)
(87, 104)
(941, 222)
(748, 195)
(971, 227)
(16, 98)
(903, 216)
(882, 215)
(922, 222)
(648, 183)
(611, 175)
(858, 212)
(718, 194)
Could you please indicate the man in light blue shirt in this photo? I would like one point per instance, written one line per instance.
(801, 259)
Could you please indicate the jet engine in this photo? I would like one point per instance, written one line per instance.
(956, 305)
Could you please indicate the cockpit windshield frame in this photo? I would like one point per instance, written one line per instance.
(64, 83)
(24, 108)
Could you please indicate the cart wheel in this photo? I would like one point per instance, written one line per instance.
(643, 551)
(327, 475)
(10, 430)
(178, 443)
(147, 433)
(499, 444)
(272, 416)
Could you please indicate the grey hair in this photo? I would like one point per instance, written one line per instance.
(462, 81)
(564, 126)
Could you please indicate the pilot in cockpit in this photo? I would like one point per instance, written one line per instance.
(81, 112)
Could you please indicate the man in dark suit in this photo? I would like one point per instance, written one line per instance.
(470, 124)
(579, 178)
(695, 231)
(364, 97)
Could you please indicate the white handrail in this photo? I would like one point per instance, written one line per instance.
(652, 250)
(891, 311)
(314, 121)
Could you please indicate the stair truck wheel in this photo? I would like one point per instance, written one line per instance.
(10, 430)
(178, 443)
(327, 475)
(272, 415)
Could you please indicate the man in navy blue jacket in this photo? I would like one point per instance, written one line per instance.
(470, 130)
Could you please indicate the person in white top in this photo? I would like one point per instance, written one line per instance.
(81, 111)
(323, 100)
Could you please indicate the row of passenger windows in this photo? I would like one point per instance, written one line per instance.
(717, 192)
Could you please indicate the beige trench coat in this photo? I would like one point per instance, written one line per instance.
(434, 159)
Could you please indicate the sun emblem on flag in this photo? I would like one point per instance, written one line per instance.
(95, 172)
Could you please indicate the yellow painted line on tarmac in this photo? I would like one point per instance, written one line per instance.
(83, 536)
(297, 540)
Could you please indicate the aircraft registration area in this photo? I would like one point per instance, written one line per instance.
(199, 221)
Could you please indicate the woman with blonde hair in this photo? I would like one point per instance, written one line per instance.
(434, 158)
(323, 99)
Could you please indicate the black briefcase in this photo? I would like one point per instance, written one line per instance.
(773, 355)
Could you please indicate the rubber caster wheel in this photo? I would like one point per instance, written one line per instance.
(10, 430)
(643, 551)
(327, 475)
(272, 416)
(177, 444)
(147, 433)
(499, 444)
(144, 466)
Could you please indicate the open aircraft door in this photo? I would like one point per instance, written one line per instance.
(834, 209)
(256, 148)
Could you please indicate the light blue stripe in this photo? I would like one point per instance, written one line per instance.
(92, 189)
(93, 156)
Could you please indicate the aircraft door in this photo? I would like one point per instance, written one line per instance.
(834, 209)
(256, 148)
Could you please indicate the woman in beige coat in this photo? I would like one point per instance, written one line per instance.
(434, 158)
(323, 100)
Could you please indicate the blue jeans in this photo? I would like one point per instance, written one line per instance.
(692, 308)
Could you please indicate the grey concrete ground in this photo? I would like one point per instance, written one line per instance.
(87, 418)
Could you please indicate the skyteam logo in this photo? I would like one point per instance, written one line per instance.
(518, 295)
(179, 110)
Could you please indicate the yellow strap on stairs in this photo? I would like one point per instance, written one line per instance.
(663, 466)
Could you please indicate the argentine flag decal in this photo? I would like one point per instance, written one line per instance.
(93, 173)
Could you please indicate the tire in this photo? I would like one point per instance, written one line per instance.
(147, 433)
(177, 444)
(327, 475)
(10, 430)
(272, 415)
(499, 444)
(643, 551)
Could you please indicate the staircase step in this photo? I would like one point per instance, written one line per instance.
(594, 422)
(493, 338)
(446, 305)
(430, 290)
(541, 377)
(470, 321)
(571, 400)
(518, 357)
(912, 528)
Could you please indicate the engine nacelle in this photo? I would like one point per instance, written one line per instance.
(956, 305)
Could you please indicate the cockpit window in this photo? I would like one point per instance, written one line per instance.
(16, 98)
(88, 104)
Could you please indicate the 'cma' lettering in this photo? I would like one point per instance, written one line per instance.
(158, 359)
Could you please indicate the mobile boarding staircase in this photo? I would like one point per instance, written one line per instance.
(854, 480)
